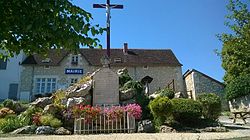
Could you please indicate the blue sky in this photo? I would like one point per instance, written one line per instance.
(188, 27)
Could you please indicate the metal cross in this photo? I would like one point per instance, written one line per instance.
(108, 7)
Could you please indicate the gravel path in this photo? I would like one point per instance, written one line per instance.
(157, 136)
(238, 130)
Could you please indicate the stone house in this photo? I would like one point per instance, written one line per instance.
(61, 68)
(197, 82)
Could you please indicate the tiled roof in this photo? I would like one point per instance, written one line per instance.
(134, 57)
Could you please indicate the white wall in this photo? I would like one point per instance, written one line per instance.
(10, 75)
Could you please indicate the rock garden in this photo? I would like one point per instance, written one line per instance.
(159, 113)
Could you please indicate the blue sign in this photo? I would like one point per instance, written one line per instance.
(73, 71)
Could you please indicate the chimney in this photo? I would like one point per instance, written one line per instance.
(125, 48)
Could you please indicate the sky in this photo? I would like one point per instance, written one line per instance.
(187, 27)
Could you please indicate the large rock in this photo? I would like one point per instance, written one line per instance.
(166, 129)
(45, 130)
(75, 101)
(62, 131)
(127, 94)
(79, 90)
(25, 130)
(146, 126)
(42, 102)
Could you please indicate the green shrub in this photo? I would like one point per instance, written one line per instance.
(238, 87)
(11, 123)
(143, 101)
(58, 97)
(161, 106)
(166, 92)
(8, 103)
(211, 105)
(50, 120)
(186, 111)
(55, 123)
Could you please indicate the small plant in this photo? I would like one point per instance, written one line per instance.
(11, 123)
(50, 120)
(186, 111)
(211, 105)
(36, 119)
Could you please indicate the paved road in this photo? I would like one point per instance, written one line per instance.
(236, 130)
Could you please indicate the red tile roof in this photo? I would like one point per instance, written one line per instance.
(135, 57)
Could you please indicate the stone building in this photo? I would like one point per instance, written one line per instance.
(197, 82)
(61, 68)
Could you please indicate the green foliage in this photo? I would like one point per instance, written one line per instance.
(238, 87)
(133, 85)
(166, 92)
(28, 114)
(11, 123)
(186, 111)
(8, 103)
(124, 78)
(50, 120)
(161, 106)
(35, 26)
(211, 105)
(58, 97)
(235, 53)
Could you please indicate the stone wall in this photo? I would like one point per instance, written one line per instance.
(205, 84)
(162, 75)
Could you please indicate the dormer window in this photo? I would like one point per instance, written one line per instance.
(118, 60)
(74, 59)
(46, 60)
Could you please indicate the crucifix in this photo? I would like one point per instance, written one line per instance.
(108, 7)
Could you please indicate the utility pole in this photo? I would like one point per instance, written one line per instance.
(108, 8)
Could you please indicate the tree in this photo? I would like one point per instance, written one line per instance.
(235, 53)
(35, 26)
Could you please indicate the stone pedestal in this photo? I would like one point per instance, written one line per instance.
(106, 87)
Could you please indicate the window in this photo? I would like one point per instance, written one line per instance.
(45, 85)
(74, 59)
(46, 67)
(73, 81)
(3, 64)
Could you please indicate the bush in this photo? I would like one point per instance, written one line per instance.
(50, 120)
(211, 105)
(11, 123)
(186, 111)
(238, 87)
(166, 92)
(161, 108)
